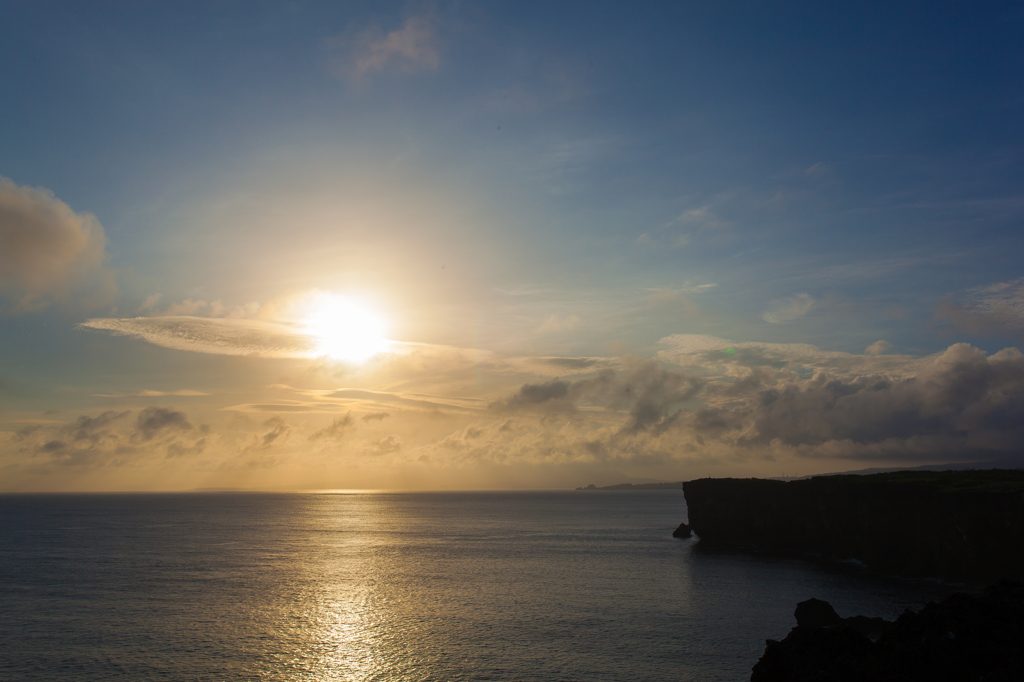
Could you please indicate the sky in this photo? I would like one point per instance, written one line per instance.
(504, 245)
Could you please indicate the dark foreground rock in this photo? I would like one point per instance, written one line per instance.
(683, 531)
(964, 637)
(956, 525)
(816, 613)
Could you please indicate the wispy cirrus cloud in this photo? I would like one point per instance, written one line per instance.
(702, 218)
(788, 309)
(555, 366)
(180, 393)
(336, 401)
(712, 352)
(994, 310)
(415, 401)
(412, 48)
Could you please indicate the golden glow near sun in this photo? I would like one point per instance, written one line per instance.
(344, 329)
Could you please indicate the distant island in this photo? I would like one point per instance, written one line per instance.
(953, 525)
(634, 486)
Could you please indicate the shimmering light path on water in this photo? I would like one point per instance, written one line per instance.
(377, 586)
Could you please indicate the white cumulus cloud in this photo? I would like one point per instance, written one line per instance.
(412, 48)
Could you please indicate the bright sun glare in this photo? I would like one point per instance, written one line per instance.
(344, 329)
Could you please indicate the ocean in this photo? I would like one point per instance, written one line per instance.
(547, 586)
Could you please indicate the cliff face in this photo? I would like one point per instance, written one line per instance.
(958, 525)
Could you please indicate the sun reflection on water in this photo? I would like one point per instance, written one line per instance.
(389, 587)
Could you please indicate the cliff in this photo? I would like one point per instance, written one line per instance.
(962, 638)
(957, 525)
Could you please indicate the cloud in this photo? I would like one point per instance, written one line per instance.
(702, 217)
(183, 393)
(149, 304)
(92, 429)
(556, 366)
(48, 252)
(258, 338)
(26, 431)
(334, 401)
(387, 445)
(995, 310)
(551, 393)
(187, 307)
(788, 309)
(717, 354)
(107, 440)
(413, 48)
(278, 432)
(523, 290)
(272, 330)
(693, 226)
(958, 405)
(651, 395)
(409, 401)
(154, 420)
(961, 402)
(680, 299)
(306, 407)
(150, 307)
(338, 429)
(200, 308)
(656, 395)
(746, 408)
(879, 347)
(220, 336)
(572, 364)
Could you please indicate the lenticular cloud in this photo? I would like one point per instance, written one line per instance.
(220, 336)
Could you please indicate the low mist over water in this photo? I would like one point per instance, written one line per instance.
(379, 586)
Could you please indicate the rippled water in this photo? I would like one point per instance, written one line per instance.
(381, 586)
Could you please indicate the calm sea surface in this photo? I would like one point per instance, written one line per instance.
(377, 586)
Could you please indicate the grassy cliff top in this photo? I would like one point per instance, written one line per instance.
(963, 481)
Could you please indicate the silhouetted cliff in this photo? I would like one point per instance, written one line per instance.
(961, 639)
(958, 525)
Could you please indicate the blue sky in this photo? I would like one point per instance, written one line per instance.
(627, 190)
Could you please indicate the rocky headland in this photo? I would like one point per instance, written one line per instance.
(955, 525)
(960, 639)
(633, 486)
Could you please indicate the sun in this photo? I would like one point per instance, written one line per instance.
(344, 329)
